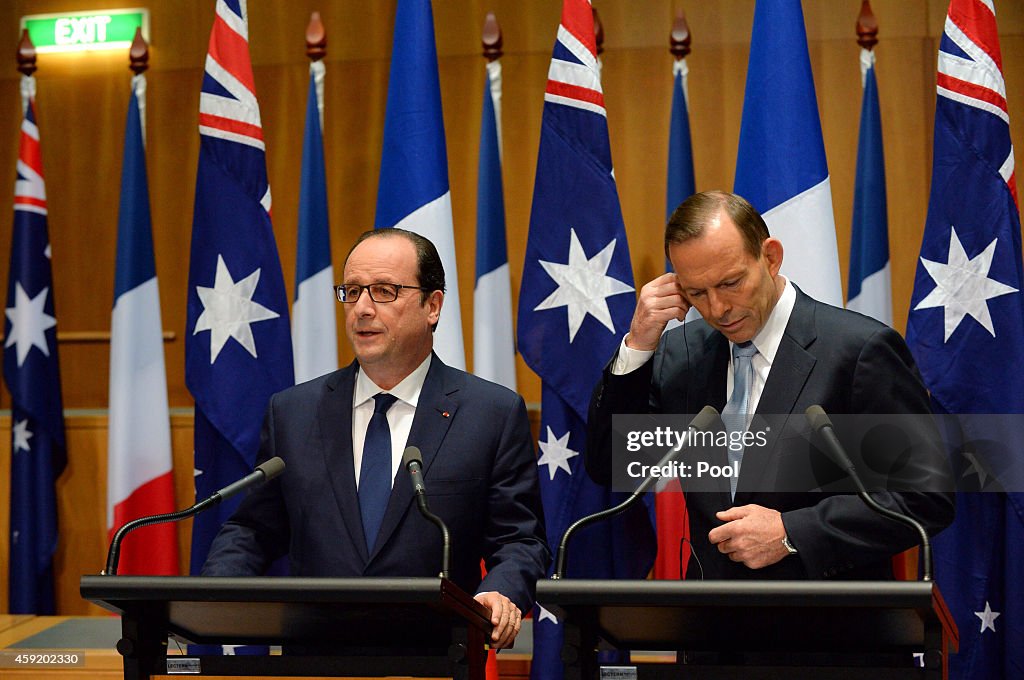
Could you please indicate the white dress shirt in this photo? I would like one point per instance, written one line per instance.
(766, 341)
(400, 415)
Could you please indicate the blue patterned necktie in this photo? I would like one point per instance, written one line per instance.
(375, 471)
(735, 415)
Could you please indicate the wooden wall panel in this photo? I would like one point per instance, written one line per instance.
(82, 101)
(82, 492)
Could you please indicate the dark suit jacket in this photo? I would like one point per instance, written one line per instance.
(480, 472)
(841, 360)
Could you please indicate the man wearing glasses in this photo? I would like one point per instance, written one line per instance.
(345, 506)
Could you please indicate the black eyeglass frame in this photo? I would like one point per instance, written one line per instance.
(340, 291)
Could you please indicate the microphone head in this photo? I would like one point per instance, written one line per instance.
(817, 417)
(412, 455)
(704, 420)
(271, 468)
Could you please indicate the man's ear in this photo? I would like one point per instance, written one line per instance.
(771, 251)
(434, 303)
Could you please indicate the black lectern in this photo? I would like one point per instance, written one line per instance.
(756, 629)
(369, 627)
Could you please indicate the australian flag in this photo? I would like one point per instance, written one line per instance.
(966, 330)
(574, 307)
(238, 348)
(32, 373)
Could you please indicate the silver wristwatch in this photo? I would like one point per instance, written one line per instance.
(788, 546)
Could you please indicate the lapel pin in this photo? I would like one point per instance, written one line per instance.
(444, 414)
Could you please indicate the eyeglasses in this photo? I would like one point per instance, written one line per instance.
(379, 292)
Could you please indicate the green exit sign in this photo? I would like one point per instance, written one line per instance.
(90, 30)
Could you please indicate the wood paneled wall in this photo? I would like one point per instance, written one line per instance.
(82, 510)
(82, 101)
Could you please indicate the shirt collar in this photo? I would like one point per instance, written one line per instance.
(768, 339)
(407, 391)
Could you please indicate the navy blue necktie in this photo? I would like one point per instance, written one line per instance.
(375, 471)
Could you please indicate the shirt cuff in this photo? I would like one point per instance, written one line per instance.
(629, 359)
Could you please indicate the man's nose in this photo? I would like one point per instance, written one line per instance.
(364, 304)
(718, 305)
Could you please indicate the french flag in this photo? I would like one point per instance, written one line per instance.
(494, 353)
(781, 167)
(314, 321)
(870, 282)
(413, 192)
(139, 472)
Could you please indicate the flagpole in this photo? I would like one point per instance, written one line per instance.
(26, 57)
(669, 504)
(316, 50)
(314, 314)
(869, 284)
(867, 26)
(493, 345)
(138, 62)
(32, 373)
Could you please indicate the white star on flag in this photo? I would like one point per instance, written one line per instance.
(228, 310)
(988, 618)
(21, 435)
(583, 287)
(962, 286)
(29, 322)
(555, 453)
(544, 614)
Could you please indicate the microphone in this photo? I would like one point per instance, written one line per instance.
(413, 461)
(263, 473)
(822, 424)
(702, 421)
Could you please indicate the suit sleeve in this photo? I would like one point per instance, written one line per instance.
(515, 548)
(628, 393)
(257, 533)
(840, 533)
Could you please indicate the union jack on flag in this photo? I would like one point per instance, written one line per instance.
(228, 108)
(966, 330)
(238, 348)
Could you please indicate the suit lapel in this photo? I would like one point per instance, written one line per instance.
(335, 421)
(786, 380)
(708, 375)
(435, 411)
(708, 382)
